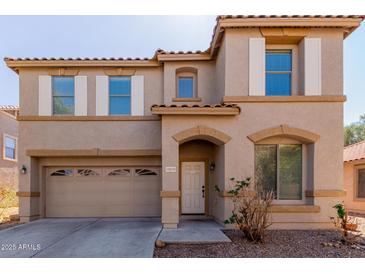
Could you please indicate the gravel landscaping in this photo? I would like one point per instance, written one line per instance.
(278, 244)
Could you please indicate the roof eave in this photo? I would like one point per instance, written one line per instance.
(15, 65)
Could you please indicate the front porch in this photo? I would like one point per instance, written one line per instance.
(193, 168)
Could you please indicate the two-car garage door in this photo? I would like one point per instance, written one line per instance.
(103, 192)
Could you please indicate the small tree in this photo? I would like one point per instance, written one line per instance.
(250, 212)
(355, 132)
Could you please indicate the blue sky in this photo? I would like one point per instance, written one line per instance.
(138, 36)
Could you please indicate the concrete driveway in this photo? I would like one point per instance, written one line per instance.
(81, 238)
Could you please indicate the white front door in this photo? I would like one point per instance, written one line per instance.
(193, 188)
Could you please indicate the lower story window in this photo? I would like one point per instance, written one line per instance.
(9, 147)
(278, 168)
(361, 183)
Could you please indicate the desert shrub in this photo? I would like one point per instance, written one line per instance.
(250, 212)
(345, 224)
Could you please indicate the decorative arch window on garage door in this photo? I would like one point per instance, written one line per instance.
(62, 172)
(145, 172)
(87, 172)
(120, 172)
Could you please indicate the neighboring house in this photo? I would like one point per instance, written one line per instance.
(9, 147)
(153, 137)
(354, 177)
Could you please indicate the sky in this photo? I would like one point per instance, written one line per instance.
(138, 36)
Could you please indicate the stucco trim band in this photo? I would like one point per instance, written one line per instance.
(284, 99)
(202, 132)
(88, 118)
(294, 209)
(28, 194)
(285, 130)
(186, 99)
(325, 193)
(170, 194)
(119, 72)
(195, 111)
(63, 72)
(93, 152)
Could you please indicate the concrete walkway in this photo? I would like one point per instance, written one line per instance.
(195, 231)
(81, 238)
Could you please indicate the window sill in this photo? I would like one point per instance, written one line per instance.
(284, 99)
(294, 209)
(10, 159)
(186, 99)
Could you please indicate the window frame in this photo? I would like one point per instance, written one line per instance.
(304, 168)
(294, 68)
(356, 183)
(5, 135)
(187, 73)
(53, 96)
(120, 95)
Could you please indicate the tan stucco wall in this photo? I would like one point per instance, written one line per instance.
(78, 135)
(351, 202)
(28, 99)
(236, 60)
(220, 72)
(239, 151)
(205, 80)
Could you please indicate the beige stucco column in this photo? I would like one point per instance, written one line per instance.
(29, 192)
(170, 193)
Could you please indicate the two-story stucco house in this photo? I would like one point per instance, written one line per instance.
(153, 137)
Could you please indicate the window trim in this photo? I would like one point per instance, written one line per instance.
(184, 73)
(356, 183)
(5, 135)
(120, 95)
(294, 70)
(304, 174)
(52, 96)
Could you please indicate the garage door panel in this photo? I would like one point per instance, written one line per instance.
(75, 211)
(103, 192)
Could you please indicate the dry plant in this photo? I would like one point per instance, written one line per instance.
(7, 199)
(250, 212)
(346, 225)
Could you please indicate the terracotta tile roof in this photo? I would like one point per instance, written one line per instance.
(217, 33)
(288, 16)
(76, 59)
(8, 107)
(354, 152)
(161, 51)
(218, 109)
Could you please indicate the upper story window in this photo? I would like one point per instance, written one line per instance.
(10, 147)
(120, 95)
(278, 168)
(278, 72)
(360, 183)
(186, 87)
(186, 83)
(63, 95)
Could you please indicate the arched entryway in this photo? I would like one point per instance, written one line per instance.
(201, 165)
